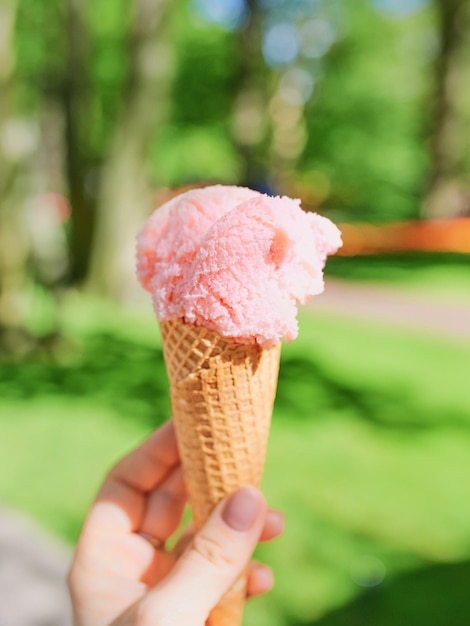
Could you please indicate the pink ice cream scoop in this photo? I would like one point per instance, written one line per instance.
(234, 261)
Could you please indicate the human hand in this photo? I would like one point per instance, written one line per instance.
(122, 574)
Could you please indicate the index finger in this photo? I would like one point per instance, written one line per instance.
(121, 502)
(148, 465)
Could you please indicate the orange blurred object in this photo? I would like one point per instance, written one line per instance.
(445, 235)
(427, 236)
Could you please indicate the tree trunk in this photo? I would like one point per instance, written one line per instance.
(249, 125)
(77, 168)
(126, 196)
(448, 192)
(14, 246)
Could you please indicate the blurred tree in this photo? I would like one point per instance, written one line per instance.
(364, 157)
(448, 193)
(292, 41)
(125, 191)
(32, 250)
(196, 145)
(250, 123)
(14, 150)
(76, 94)
(322, 99)
(54, 67)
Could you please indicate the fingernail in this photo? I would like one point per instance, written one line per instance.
(241, 508)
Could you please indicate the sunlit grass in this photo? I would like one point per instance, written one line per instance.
(54, 453)
(441, 276)
(368, 451)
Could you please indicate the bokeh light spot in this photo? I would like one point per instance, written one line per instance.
(281, 44)
(316, 38)
(18, 138)
(296, 86)
(367, 570)
(399, 8)
(230, 13)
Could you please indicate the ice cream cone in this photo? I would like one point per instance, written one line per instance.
(222, 395)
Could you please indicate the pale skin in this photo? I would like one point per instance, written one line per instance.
(123, 574)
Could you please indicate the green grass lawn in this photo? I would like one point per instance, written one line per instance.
(368, 457)
(444, 276)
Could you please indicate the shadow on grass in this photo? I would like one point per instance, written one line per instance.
(131, 379)
(307, 391)
(128, 377)
(391, 267)
(434, 596)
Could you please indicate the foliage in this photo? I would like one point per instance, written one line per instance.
(43, 62)
(332, 101)
(365, 120)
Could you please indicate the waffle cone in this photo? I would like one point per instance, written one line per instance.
(222, 394)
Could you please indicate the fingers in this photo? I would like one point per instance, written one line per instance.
(165, 507)
(217, 556)
(273, 525)
(145, 467)
(184, 541)
(260, 579)
(121, 502)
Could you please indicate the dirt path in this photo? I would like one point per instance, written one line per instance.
(395, 306)
(33, 567)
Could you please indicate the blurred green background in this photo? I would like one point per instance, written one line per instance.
(359, 107)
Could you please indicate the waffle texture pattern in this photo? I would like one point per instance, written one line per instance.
(222, 395)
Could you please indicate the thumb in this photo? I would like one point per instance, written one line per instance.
(215, 559)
